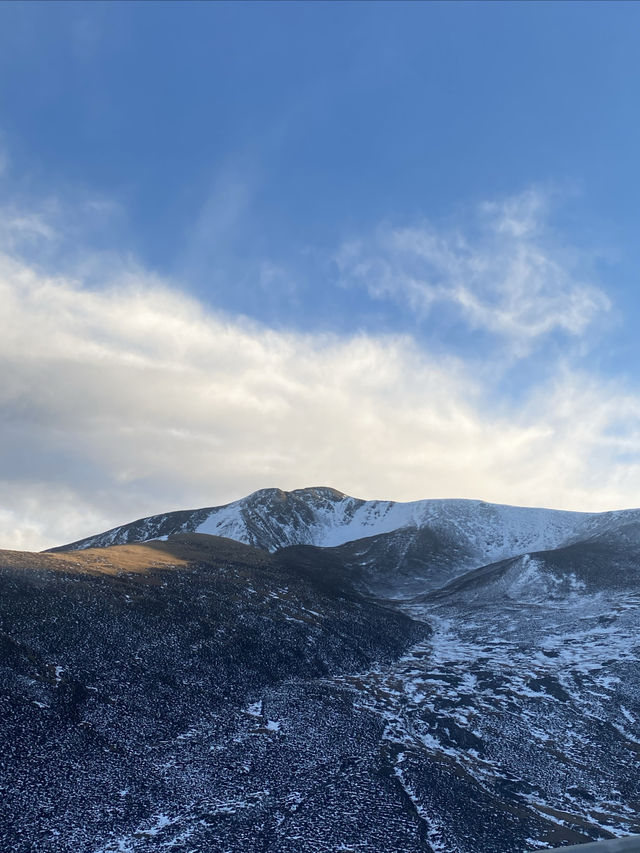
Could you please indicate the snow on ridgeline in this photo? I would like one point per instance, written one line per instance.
(327, 518)
(272, 519)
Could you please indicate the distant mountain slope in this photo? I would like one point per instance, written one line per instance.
(599, 565)
(416, 545)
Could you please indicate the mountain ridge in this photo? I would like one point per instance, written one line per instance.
(421, 544)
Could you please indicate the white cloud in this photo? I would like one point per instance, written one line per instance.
(132, 398)
(511, 280)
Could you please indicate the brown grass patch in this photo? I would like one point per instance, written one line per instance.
(141, 558)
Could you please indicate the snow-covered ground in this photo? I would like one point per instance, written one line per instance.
(538, 701)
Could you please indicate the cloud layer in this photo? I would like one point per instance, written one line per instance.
(131, 398)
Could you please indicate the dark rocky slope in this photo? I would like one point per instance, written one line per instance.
(135, 684)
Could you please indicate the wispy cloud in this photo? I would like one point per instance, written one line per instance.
(59, 230)
(131, 398)
(19, 230)
(509, 278)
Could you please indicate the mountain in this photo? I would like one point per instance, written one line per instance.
(335, 674)
(395, 548)
(272, 519)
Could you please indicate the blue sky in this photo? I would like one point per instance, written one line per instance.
(455, 181)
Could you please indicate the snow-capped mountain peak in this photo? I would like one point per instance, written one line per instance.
(272, 519)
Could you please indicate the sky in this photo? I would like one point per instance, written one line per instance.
(387, 247)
